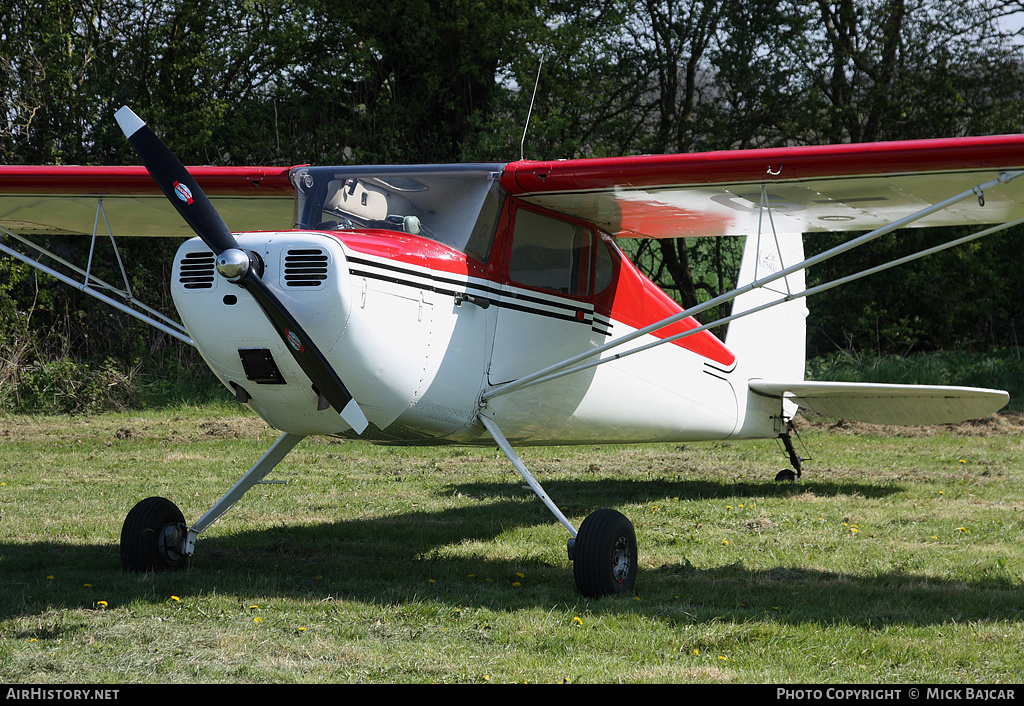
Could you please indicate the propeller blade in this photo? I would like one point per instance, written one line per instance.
(174, 180)
(235, 264)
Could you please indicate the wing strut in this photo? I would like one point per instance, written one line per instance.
(569, 365)
(91, 284)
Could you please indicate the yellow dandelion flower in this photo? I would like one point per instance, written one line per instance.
(725, 542)
(696, 651)
(521, 575)
(87, 585)
(516, 584)
(101, 604)
(577, 620)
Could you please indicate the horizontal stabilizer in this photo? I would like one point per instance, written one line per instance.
(887, 404)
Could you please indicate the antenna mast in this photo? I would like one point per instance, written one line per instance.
(522, 143)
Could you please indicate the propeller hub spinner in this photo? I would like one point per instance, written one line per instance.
(233, 264)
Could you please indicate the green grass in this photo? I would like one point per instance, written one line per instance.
(897, 558)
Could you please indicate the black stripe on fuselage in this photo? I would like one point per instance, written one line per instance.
(517, 300)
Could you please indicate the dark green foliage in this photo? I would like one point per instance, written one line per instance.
(965, 298)
(310, 81)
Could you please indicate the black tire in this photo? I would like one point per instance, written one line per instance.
(785, 476)
(605, 556)
(151, 537)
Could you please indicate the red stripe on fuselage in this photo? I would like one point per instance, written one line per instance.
(638, 302)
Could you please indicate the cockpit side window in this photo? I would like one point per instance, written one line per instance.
(550, 253)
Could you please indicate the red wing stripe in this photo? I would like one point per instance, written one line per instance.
(952, 154)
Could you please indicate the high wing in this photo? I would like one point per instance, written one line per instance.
(853, 187)
(42, 200)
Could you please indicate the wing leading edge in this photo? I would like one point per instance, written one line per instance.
(854, 187)
(887, 404)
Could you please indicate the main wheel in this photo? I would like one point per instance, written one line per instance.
(605, 557)
(153, 536)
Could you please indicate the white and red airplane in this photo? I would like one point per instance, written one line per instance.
(485, 304)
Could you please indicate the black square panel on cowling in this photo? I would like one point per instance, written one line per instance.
(260, 367)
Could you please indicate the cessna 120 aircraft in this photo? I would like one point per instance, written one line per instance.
(488, 304)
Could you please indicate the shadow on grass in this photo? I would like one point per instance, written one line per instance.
(465, 557)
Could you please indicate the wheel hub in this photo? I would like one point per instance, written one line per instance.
(170, 543)
(621, 559)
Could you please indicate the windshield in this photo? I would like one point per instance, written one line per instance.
(457, 205)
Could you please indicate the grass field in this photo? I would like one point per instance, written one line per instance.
(898, 558)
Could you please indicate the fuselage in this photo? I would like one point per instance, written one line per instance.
(419, 329)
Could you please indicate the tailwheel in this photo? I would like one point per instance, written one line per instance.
(153, 537)
(604, 554)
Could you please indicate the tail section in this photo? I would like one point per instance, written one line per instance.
(770, 347)
(769, 344)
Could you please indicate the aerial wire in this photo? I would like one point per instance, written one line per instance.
(536, 81)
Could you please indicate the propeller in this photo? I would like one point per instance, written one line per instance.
(235, 264)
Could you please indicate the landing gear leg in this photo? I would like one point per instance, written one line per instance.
(795, 459)
(603, 551)
(155, 536)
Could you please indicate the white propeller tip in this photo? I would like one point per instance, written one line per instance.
(355, 417)
(128, 120)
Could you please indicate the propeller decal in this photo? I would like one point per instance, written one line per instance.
(183, 192)
(294, 341)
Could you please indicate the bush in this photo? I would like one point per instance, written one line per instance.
(66, 386)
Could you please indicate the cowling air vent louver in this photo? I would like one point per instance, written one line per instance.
(196, 269)
(306, 267)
